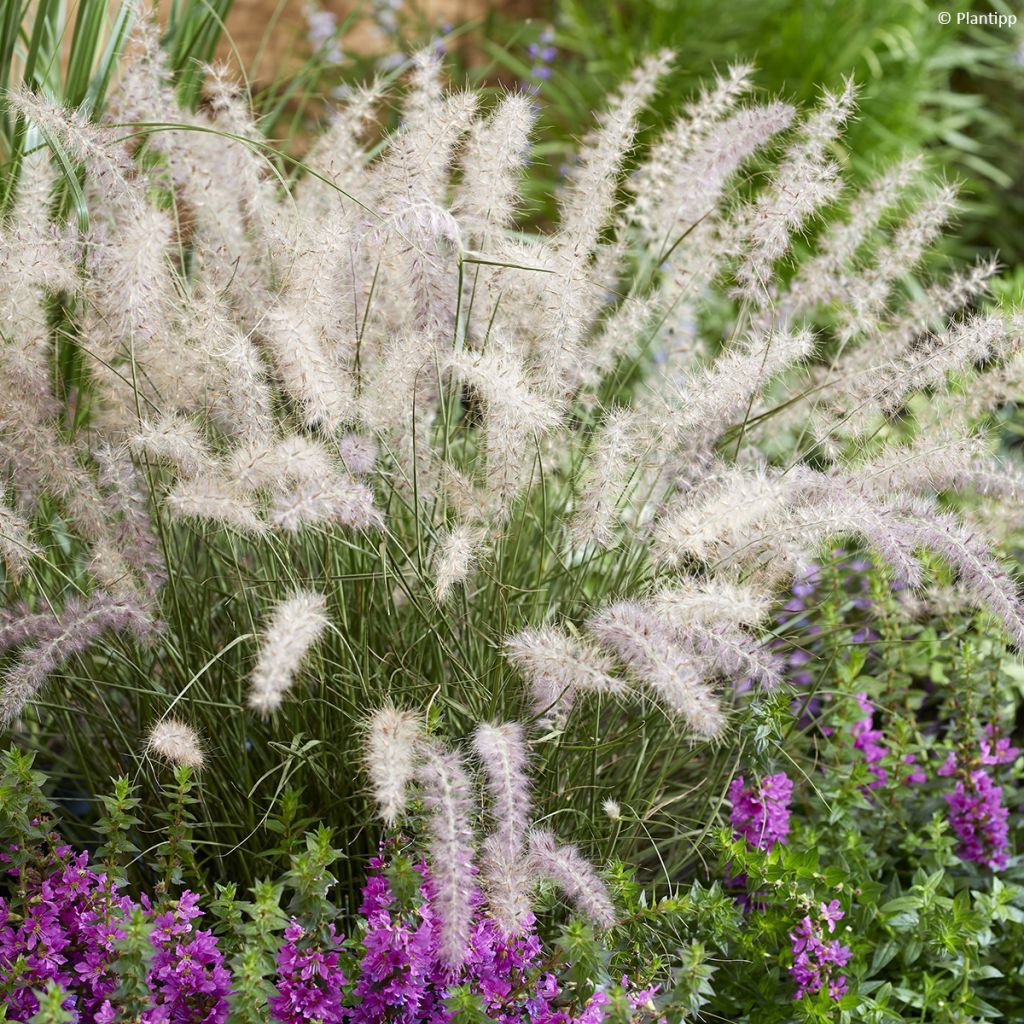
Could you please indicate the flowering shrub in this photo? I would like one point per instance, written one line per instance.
(895, 893)
(852, 889)
(66, 932)
(114, 958)
(976, 810)
(311, 436)
(326, 472)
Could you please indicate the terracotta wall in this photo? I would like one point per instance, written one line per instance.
(273, 28)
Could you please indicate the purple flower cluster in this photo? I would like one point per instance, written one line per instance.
(542, 53)
(866, 739)
(68, 936)
(816, 962)
(187, 976)
(310, 982)
(977, 813)
(72, 926)
(403, 977)
(760, 813)
(995, 749)
(979, 818)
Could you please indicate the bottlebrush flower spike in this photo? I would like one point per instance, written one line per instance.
(725, 514)
(981, 577)
(359, 454)
(588, 201)
(979, 338)
(711, 601)
(656, 183)
(573, 874)
(453, 564)
(710, 400)
(318, 501)
(506, 877)
(614, 452)
(63, 635)
(865, 297)
(110, 165)
(557, 667)
(276, 464)
(294, 627)
(16, 547)
(502, 752)
(647, 647)
(805, 182)
(492, 167)
(176, 440)
(391, 753)
(215, 499)
(448, 798)
(823, 277)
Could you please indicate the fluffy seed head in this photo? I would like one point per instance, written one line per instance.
(502, 752)
(573, 874)
(175, 742)
(454, 562)
(390, 751)
(649, 649)
(448, 798)
(295, 626)
(557, 667)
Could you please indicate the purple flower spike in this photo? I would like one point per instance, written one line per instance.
(979, 818)
(760, 814)
(816, 962)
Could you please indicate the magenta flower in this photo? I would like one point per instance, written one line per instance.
(830, 914)
(67, 929)
(815, 962)
(917, 773)
(976, 811)
(187, 977)
(997, 750)
(760, 814)
(866, 739)
(310, 983)
(68, 935)
(979, 818)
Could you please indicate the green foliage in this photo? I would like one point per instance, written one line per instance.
(135, 953)
(27, 812)
(175, 853)
(71, 51)
(933, 938)
(467, 1006)
(51, 1007)
(251, 930)
(311, 881)
(115, 825)
(953, 90)
(586, 959)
